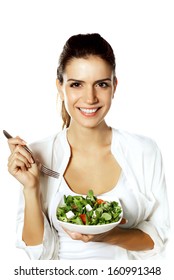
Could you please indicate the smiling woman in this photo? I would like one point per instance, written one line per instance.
(90, 155)
(87, 90)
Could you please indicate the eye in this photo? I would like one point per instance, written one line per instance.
(103, 84)
(75, 84)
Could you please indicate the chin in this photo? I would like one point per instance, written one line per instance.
(90, 124)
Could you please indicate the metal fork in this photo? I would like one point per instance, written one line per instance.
(47, 171)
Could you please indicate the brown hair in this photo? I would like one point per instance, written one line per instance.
(81, 46)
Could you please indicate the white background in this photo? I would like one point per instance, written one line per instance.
(32, 34)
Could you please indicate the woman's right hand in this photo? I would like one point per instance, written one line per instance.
(21, 164)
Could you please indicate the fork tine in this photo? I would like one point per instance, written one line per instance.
(48, 171)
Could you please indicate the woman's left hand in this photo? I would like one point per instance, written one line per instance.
(130, 239)
(103, 237)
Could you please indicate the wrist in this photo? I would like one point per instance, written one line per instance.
(113, 236)
(34, 191)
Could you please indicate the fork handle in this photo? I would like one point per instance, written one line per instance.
(8, 136)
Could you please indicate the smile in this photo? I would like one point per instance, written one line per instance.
(88, 111)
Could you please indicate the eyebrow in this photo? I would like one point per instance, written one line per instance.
(80, 81)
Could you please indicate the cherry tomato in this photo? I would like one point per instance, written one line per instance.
(83, 218)
(100, 201)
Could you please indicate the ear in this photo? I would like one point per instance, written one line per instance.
(59, 88)
(115, 86)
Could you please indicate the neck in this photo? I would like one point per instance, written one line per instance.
(83, 138)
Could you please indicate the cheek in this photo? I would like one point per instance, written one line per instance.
(107, 98)
(70, 99)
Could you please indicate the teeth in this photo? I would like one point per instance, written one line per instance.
(88, 111)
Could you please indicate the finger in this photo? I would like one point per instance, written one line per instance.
(86, 238)
(13, 142)
(18, 156)
(79, 236)
(73, 235)
(123, 221)
(15, 166)
(19, 151)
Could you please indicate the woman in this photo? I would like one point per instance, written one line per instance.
(89, 154)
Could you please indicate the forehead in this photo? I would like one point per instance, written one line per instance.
(91, 66)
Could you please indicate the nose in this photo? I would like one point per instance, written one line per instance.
(90, 96)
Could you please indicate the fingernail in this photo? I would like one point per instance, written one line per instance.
(31, 160)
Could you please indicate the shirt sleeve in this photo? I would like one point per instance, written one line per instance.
(44, 251)
(157, 225)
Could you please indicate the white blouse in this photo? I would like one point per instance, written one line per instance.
(146, 206)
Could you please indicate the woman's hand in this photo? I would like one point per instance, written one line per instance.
(130, 239)
(103, 237)
(21, 164)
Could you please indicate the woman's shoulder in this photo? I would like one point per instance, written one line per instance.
(134, 141)
(45, 141)
(44, 146)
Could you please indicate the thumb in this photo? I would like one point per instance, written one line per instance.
(123, 221)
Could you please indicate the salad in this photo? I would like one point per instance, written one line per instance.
(88, 210)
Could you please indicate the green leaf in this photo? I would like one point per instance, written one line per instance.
(90, 193)
(106, 216)
(77, 221)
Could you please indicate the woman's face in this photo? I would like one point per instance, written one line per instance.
(87, 90)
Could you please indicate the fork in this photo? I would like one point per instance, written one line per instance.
(47, 171)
